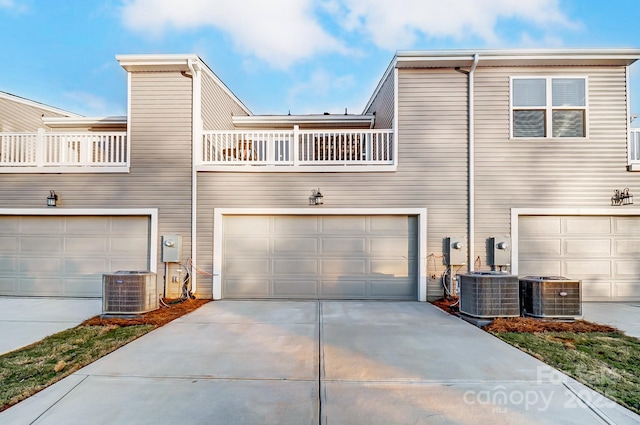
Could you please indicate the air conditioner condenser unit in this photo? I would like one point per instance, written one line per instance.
(129, 292)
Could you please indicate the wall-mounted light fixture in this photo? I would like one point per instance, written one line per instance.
(52, 199)
(622, 197)
(316, 197)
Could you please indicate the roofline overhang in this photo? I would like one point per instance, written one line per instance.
(33, 103)
(115, 121)
(507, 57)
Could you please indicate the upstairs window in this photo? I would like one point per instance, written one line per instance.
(548, 107)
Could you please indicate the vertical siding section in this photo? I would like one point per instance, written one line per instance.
(431, 173)
(218, 107)
(547, 173)
(383, 104)
(18, 117)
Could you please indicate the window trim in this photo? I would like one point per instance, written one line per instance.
(549, 108)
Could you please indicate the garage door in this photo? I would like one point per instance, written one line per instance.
(602, 251)
(67, 255)
(320, 257)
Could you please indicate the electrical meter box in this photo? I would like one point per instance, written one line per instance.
(455, 251)
(171, 247)
(499, 251)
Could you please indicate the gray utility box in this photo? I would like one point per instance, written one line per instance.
(129, 292)
(550, 297)
(489, 294)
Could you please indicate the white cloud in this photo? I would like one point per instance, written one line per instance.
(88, 104)
(321, 85)
(279, 32)
(13, 6)
(398, 24)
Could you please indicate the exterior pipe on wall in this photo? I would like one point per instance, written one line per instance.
(471, 167)
(196, 135)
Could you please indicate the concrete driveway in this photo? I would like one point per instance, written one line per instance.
(327, 362)
(24, 321)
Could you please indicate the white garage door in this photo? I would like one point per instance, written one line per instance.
(67, 255)
(320, 257)
(602, 251)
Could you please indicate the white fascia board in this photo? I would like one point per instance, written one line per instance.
(291, 120)
(84, 121)
(38, 105)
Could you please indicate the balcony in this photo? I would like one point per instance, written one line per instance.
(298, 151)
(53, 152)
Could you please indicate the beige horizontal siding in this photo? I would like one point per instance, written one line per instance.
(218, 108)
(19, 117)
(384, 103)
(547, 173)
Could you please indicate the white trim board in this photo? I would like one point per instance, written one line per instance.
(517, 212)
(219, 213)
(51, 212)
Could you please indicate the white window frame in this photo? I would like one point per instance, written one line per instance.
(549, 108)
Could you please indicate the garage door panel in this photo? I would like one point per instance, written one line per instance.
(397, 288)
(591, 247)
(627, 268)
(626, 226)
(341, 223)
(79, 287)
(51, 226)
(128, 263)
(247, 225)
(8, 285)
(587, 225)
(39, 244)
(540, 226)
(343, 266)
(540, 268)
(581, 268)
(339, 288)
(9, 225)
(541, 246)
(291, 225)
(247, 245)
(85, 266)
(41, 286)
(627, 247)
(132, 245)
(294, 246)
(247, 287)
(247, 266)
(8, 244)
(593, 289)
(295, 266)
(628, 290)
(344, 246)
(295, 288)
(327, 256)
(85, 245)
(84, 225)
(41, 266)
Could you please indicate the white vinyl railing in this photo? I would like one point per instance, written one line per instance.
(297, 148)
(63, 152)
(634, 146)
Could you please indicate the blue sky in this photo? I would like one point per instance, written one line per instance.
(302, 56)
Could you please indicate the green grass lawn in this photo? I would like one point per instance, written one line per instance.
(26, 371)
(607, 362)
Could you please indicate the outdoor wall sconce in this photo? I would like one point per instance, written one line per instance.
(622, 197)
(52, 199)
(316, 197)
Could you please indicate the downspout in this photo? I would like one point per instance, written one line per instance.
(472, 165)
(196, 134)
(471, 161)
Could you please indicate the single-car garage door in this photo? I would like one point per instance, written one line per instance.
(66, 255)
(320, 257)
(602, 251)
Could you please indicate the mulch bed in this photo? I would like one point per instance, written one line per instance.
(159, 317)
(528, 324)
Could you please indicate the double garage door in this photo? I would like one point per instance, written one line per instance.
(66, 256)
(328, 257)
(602, 251)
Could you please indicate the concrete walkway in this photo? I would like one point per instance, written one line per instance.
(24, 321)
(624, 316)
(307, 362)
